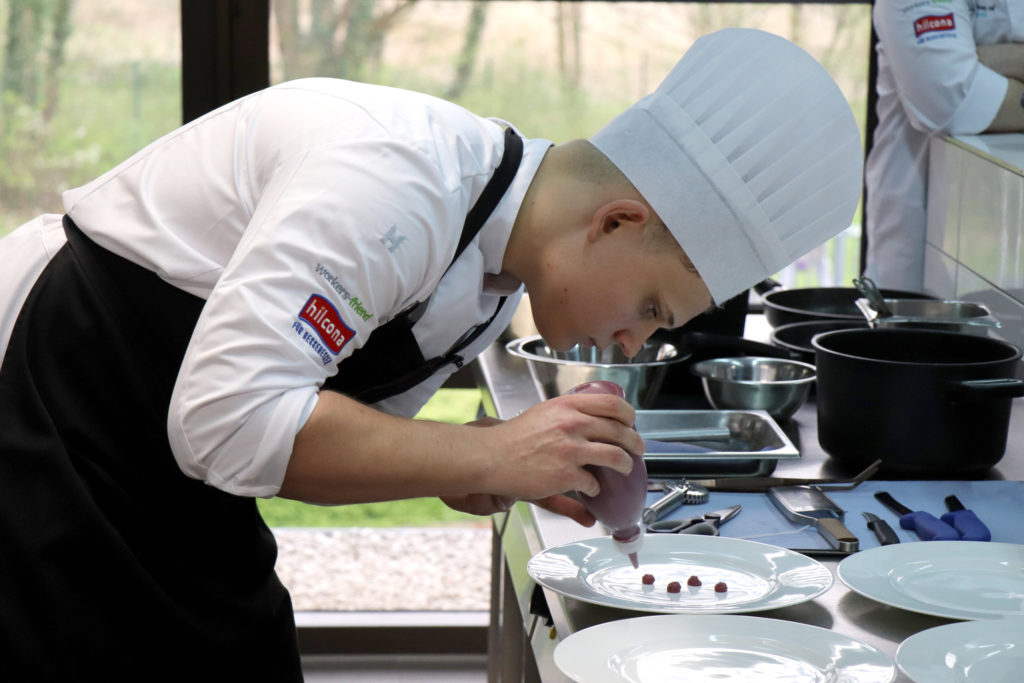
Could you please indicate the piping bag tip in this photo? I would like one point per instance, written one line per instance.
(635, 560)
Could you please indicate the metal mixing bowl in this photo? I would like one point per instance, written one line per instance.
(556, 372)
(775, 385)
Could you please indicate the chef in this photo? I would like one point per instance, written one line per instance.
(948, 67)
(255, 305)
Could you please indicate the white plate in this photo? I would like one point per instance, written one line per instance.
(985, 651)
(757, 576)
(952, 579)
(718, 648)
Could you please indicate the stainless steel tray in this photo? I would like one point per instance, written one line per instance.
(747, 443)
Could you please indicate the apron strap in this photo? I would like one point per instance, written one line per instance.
(393, 345)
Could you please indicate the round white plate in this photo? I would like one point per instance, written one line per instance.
(984, 651)
(757, 576)
(718, 648)
(952, 579)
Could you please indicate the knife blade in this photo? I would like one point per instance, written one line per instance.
(927, 526)
(881, 529)
(965, 521)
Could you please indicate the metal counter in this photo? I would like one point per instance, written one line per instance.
(522, 643)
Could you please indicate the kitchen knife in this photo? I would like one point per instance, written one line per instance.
(965, 521)
(881, 529)
(810, 504)
(927, 526)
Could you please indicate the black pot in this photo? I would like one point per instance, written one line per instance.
(929, 404)
(796, 337)
(785, 306)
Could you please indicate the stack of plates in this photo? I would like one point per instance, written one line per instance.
(955, 580)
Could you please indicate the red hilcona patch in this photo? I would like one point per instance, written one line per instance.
(934, 22)
(323, 317)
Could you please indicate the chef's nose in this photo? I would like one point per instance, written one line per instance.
(632, 340)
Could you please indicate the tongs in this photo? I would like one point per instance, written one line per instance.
(866, 286)
(762, 484)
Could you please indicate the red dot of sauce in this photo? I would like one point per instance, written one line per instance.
(720, 587)
(693, 581)
(674, 587)
(648, 579)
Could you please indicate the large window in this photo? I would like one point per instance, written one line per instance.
(559, 70)
(82, 86)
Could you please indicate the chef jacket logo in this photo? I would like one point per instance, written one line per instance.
(934, 22)
(323, 317)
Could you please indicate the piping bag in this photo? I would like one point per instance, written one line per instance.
(619, 505)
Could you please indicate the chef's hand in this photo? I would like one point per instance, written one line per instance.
(544, 451)
(486, 504)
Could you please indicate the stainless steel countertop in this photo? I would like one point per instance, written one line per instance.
(526, 530)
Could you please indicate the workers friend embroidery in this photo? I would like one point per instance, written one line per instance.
(331, 331)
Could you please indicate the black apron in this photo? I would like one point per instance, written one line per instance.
(114, 565)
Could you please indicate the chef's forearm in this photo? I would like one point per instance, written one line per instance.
(1010, 117)
(350, 453)
(1004, 58)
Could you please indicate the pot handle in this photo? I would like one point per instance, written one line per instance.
(767, 285)
(982, 389)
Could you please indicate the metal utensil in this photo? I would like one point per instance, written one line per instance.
(965, 521)
(881, 529)
(810, 504)
(927, 526)
(676, 493)
(701, 525)
(867, 287)
(762, 484)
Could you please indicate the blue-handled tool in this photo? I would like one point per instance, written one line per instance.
(927, 526)
(965, 521)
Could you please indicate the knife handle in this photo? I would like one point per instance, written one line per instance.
(928, 527)
(837, 535)
(967, 525)
(883, 532)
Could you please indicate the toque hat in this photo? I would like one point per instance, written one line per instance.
(748, 151)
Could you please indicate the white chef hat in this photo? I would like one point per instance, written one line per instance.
(749, 153)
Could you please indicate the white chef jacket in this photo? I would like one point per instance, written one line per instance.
(929, 83)
(306, 215)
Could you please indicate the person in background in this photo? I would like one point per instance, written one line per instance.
(256, 304)
(947, 67)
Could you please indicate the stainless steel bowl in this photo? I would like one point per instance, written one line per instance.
(556, 372)
(775, 385)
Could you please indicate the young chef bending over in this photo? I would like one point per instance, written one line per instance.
(256, 304)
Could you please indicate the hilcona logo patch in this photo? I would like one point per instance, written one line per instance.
(329, 332)
(933, 23)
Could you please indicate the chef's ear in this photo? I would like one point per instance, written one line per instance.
(618, 213)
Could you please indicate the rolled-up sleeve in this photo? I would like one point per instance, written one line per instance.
(316, 271)
(930, 49)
